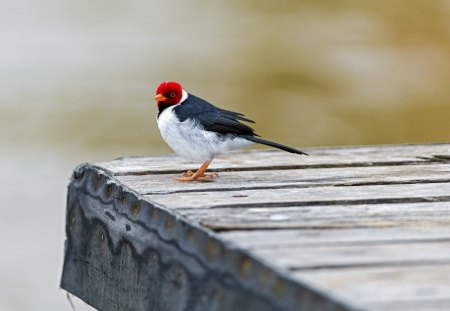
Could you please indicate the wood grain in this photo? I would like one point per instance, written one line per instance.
(387, 288)
(255, 160)
(367, 225)
(275, 179)
(328, 195)
(323, 216)
(426, 253)
(306, 238)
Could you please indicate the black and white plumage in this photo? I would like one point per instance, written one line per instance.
(197, 130)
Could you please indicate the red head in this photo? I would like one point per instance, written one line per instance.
(169, 93)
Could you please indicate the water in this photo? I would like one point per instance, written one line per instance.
(77, 80)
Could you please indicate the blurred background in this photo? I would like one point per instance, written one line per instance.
(77, 80)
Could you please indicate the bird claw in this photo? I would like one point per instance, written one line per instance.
(189, 176)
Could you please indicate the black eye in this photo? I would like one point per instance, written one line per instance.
(172, 95)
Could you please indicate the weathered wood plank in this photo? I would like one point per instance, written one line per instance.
(306, 196)
(387, 288)
(251, 160)
(344, 256)
(322, 216)
(320, 232)
(270, 179)
(433, 304)
(124, 253)
(306, 238)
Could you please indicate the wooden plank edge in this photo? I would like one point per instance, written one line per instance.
(124, 252)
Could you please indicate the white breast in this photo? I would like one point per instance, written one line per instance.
(189, 139)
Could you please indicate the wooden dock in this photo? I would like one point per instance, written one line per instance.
(364, 228)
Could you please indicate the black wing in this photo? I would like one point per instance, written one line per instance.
(212, 118)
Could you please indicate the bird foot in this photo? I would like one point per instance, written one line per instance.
(189, 176)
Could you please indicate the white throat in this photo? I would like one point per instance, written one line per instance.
(184, 96)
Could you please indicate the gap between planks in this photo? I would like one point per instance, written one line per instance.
(370, 265)
(335, 202)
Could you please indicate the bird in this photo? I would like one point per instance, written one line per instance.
(197, 130)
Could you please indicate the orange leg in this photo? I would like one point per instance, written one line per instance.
(199, 175)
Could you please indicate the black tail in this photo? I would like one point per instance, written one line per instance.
(272, 144)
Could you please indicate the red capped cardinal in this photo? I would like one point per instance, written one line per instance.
(197, 130)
